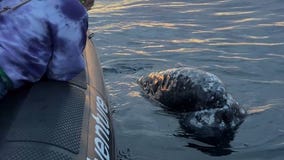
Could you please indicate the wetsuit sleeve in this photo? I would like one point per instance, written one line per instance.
(68, 32)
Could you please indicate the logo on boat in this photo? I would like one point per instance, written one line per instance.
(101, 139)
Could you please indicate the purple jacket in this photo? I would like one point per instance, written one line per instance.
(42, 37)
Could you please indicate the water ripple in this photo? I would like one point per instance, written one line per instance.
(259, 109)
(276, 24)
(257, 37)
(104, 7)
(233, 13)
(276, 55)
(188, 50)
(122, 26)
(245, 44)
(247, 20)
(192, 11)
(226, 28)
(243, 58)
(208, 3)
(196, 40)
(276, 82)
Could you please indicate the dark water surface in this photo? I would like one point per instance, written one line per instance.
(240, 41)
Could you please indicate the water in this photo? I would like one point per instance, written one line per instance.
(242, 42)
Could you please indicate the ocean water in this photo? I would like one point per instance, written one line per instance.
(242, 42)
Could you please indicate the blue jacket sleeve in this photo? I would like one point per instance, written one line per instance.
(68, 30)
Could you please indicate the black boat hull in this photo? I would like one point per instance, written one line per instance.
(53, 120)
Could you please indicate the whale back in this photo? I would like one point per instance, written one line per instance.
(185, 88)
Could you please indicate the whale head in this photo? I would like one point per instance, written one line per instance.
(214, 126)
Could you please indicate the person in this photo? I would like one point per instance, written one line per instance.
(40, 38)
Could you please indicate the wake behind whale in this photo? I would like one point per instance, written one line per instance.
(208, 112)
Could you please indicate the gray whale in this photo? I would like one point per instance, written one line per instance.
(207, 109)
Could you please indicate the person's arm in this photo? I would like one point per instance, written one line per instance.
(68, 31)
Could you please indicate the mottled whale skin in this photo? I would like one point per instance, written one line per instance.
(201, 96)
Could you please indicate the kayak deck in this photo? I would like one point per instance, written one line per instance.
(46, 124)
